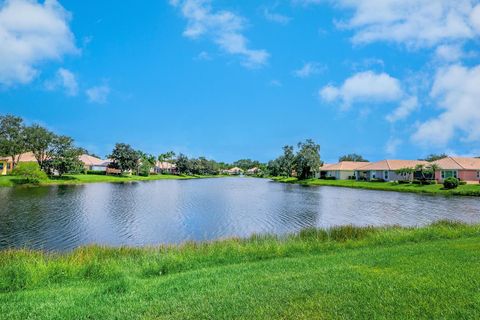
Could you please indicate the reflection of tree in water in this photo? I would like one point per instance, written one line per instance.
(43, 217)
(122, 208)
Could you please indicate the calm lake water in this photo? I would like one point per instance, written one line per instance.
(174, 211)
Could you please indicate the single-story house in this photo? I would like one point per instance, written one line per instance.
(343, 170)
(233, 171)
(466, 169)
(386, 169)
(93, 163)
(252, 171)
(6, 162)
(165, 167)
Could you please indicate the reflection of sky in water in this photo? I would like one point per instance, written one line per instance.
(173, 211)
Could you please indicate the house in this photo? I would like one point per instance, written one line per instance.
(253, 171)
(233, 171)
(343, 170)
(386, 169)
(92, 163)
(465, 169)
(6, 162)
(165, 168)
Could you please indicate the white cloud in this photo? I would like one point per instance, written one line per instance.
(416, 23)
(276, 17)
(364, 86)
(66, 79)
(456, 91)
(224, 28)
(308, 69)
(392, 146)
(449, 53)
(406, 107)
(98, 94)
(31, 33)
(275, 83)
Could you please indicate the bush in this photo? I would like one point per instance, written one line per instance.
(377, 180)
(328, 178)
(462, 183)
(29, 172)
(97, 172)
(451, 183)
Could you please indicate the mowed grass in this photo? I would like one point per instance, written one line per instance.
(341, 273)
(10, 181)
(463, 190)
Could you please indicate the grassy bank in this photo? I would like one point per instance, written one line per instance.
(463, 190)
(343, 273)
(10, 181)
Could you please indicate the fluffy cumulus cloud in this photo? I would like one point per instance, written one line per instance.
(416, 23)
(98, 94)
(224, 28)
(65, 79)
(30, 33)
(276, 17)
(456, 92)
(365, 86)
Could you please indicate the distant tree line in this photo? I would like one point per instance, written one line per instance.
(304, 163)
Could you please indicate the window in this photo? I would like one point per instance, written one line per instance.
(385, 175)
(449, 174)
(1, 165)
(478, 174)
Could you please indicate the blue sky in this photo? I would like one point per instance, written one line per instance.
(240, 79)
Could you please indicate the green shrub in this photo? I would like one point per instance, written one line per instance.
(29, 172)
(329, 178)
(377, 180)
(462, 183)
(97, 172)
(451, 183)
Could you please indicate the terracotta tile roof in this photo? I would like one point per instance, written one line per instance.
(392, 165)
(458, 163)
(24, 157)
(91, 161)
(343, 166)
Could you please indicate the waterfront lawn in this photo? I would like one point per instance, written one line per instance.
(10, 181)
(466, 190)
(344, 273)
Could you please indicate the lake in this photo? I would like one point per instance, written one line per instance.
(175, 211)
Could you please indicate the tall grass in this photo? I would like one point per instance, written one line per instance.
(26, 269)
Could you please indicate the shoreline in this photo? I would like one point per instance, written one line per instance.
(472, 190)
(312, 271)
(80, 179)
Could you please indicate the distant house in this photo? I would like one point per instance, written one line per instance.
(93, 163)
(343, 170)
(6, 162)
(163, 167)
(466, 169)
(386, 169)
(233, 171)
(253, 171)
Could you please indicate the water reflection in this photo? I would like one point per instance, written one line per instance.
(64, 217)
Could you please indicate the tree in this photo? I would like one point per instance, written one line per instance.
(12, 137)
(352, 157)
(434, 157)
(40, 141)
(406, 173)
(64, 157)
(246, 164)
(183, 164)
(147, 162)
(287, 161)
(29, 172)
(124, 157)
(307, 161)
(168, 156)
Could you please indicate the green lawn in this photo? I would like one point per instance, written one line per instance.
(343, 273)
(9, 181)
(465, 190)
